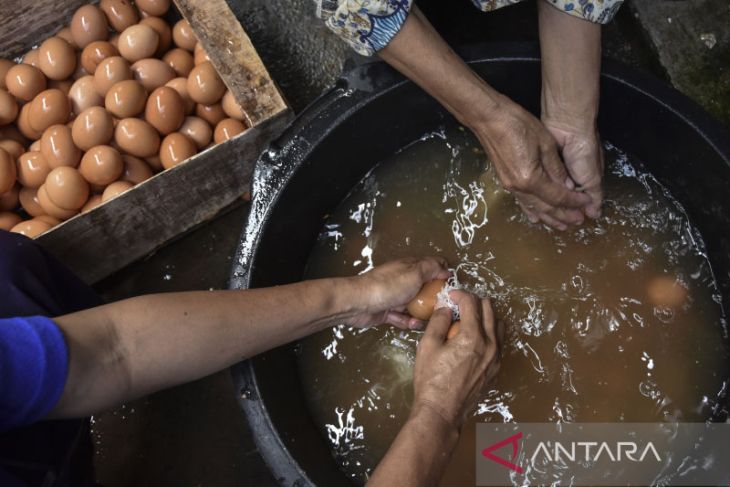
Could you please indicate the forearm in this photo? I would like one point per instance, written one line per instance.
(420, 452)
(571, 65)
(130, 348)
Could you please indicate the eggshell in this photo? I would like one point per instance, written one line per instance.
(197, 130)
(176, 148)
(200, 56)
(56, 58)
(210, 113)
(154, 7)
(50, 208)
(95, 53)
(204, 84)
(32, 169)
(28, 198)
(48, 108)
(163, 30)
(35, 146)
(165, 110)
(453, 330)
(138, 42)
(24, 81)
(422, 305)
(152, 73)
(8, 171)
(31, 58)
(94, 201)
(666, 291)
(80, 71)
(5, 65)
(63, 85)
(89, 24)
(83, 95)
(115, 189)
(94, 126)
(24, 123)
(65, 34)
(67, 188)
(12, 147)
(126, 99)
(183, 35)
(110, 71)
(31, 228)
(227, 129)
(101, 165)
(9, 200)
(154, 163)
(231, 106)
(8, 108)
(137, 137)
(58, 147)
(181, 86)
(180, 60)
(8, 220)
(135, 170)
(119, 13)
(114, 41)
(52, 221)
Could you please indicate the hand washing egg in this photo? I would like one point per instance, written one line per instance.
(56, 58)
(58, 147)
(48, 108)
(137, 137)
(183, 35)
(176, 148)
(111, 71)
(119, 13)
(165, 110)
(115, 189)
(197, 130)
(8, 108)
(423, 304)
(24, 81)
(204, 84)
(181, 86)
(453, 330)
(163, 30)
(89, 24)
(153, 7)
(31, 228)
(8, 171)
(83, 95)
(666, 291)
(8, 220)
(94, 126)
(66, 188)
(32, 169)
(52, 209)
(126, 99)
(227, 129)
(137, 42)
(152, 73)
(95, 53)
(135, 170)
(101, 165)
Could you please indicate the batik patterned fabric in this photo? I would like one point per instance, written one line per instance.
(369, 25)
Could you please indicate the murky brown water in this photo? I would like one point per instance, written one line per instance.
(591, 333)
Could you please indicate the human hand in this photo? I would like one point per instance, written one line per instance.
(450, 373)
(384, 291)
(527, 164)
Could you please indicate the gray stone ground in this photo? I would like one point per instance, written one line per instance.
(194, 434)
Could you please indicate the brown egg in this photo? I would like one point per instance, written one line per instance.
(95, 53)
(200, 56)
(89, 24)
(9, 200)
(163, 30)
(110, 71)
(176, 148)
(5, 65)
(126, 99)
(115, 189)
(8, 171)
(31, 58)
(83, 95)
(181, 86)
(31, 228)
(137, 137)
(180, 60)
(114, 41)
(135, 170)
(67, 188)
(231, 106)
(101, 165)
(56, 58)
(24, 124)
(152, 73)
(210, 113)
(28, 198)
(63, 85)
(65, 34)
(48, 108)
(94, 201)
(35, 146)
(8, 108)
(138, 42)
(153, 7)
(183, 35)
(12, 132)
(155, 163)
(165, 110)
(422, 305)
(204, 84)
(52, 221)
(80, 72)
(32, 169)
(24, 81)
(119, 13)
(94, 126)
(12, 147)
(453, 330)
(52, 209)
(666, 291)
(197, 130)
(8, 220)
(58, 147)
(227, 129)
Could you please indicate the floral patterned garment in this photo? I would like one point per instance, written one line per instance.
(369, 25)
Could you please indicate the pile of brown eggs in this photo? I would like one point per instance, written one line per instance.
(104, 104)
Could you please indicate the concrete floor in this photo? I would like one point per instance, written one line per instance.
(195, 435)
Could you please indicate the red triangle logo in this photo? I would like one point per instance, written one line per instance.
(514, 440)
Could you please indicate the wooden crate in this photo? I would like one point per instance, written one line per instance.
(111, 236)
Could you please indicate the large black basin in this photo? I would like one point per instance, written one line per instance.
(366, 117)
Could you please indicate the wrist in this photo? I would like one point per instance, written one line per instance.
(428, 418)
(569, 111)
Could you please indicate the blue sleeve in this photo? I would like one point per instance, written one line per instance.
(33, 369)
